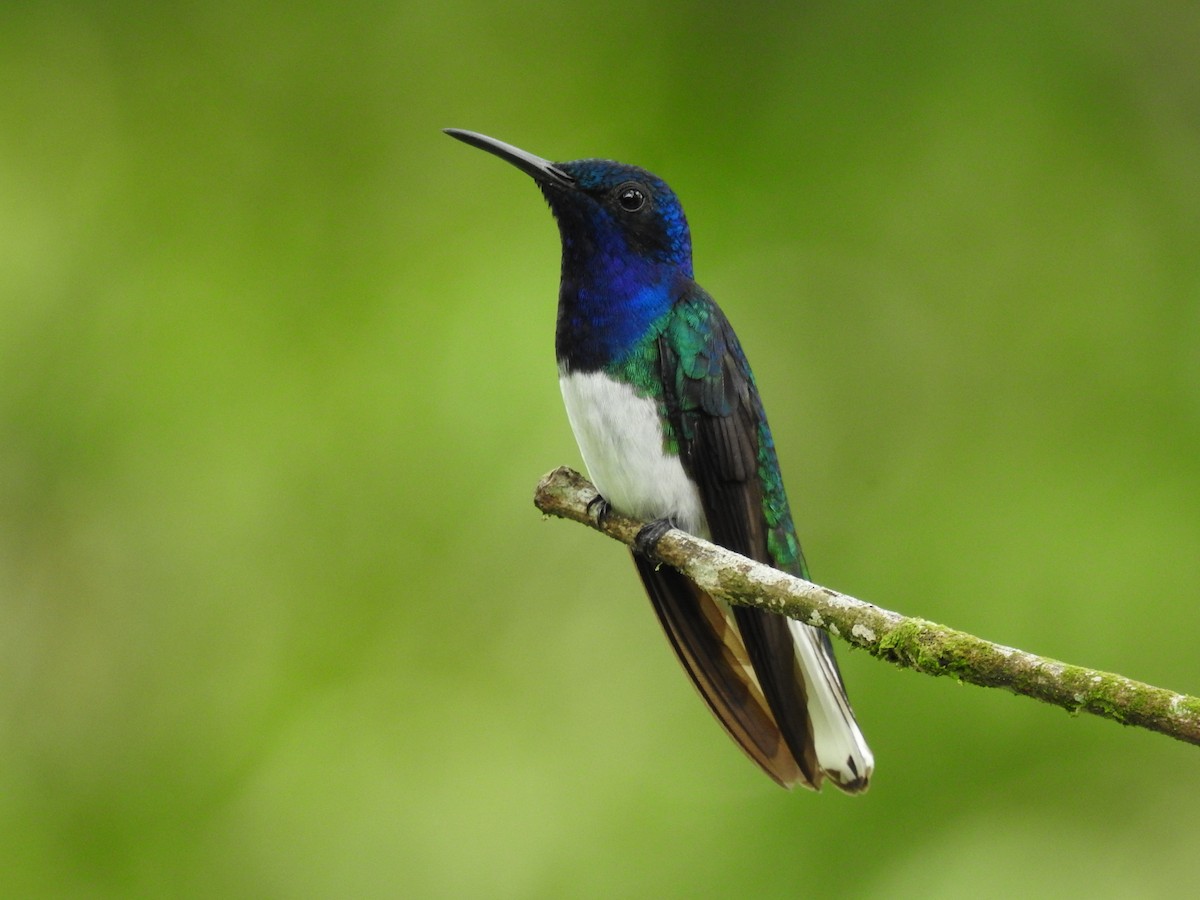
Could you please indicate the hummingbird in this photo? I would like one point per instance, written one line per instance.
(672, 431)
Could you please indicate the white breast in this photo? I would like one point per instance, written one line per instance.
(621, 440)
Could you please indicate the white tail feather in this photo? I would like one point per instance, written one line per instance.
(842, 752)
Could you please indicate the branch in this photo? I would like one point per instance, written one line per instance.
(909, 643)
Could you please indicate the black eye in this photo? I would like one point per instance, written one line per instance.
(631, 198)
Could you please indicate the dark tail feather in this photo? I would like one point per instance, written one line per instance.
(772, 651)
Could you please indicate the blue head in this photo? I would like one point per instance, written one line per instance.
(626, 249)
(610, 212)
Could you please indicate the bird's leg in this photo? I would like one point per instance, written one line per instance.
(650, 534)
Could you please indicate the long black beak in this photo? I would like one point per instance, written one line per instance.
(541, 170)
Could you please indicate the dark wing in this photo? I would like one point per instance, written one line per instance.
(720, 429)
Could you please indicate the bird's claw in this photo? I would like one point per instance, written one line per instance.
(649, 536)
(600, 508)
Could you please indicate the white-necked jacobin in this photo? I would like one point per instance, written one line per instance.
(670, 425)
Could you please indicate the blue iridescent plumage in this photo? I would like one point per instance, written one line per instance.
(616, 284)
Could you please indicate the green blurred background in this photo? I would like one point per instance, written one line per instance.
(277, 615)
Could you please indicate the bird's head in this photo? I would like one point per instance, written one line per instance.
(607, 212)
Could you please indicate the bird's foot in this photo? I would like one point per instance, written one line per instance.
(649, 536)
(600, 508)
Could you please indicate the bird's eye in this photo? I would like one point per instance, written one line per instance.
(631, 198)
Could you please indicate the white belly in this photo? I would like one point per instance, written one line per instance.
(621, 440)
